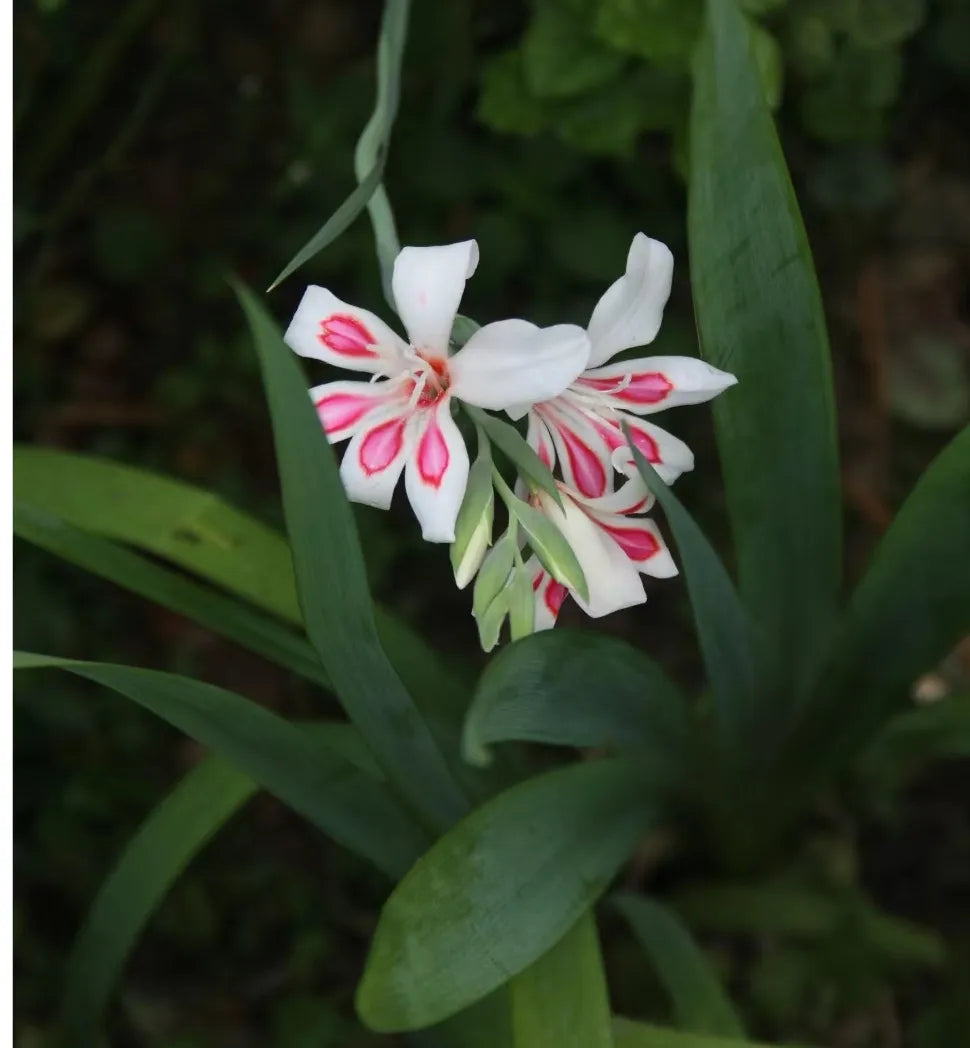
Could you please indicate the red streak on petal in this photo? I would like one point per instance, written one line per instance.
(433, 456)
(346, 335)
(649, 387)
(381, 446)
(647, 445)
(342, 410)
(555, 594)
(537, 581)
(588, 471)
(635, 543)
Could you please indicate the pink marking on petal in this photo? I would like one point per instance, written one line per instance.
(648, 387)
(433, 456)
(381, 446)
(341, 410)
(554, 596)
(647, 445)
(613, 435)
(588, 470)
(537, 580)
(638, 544)
(346, 335)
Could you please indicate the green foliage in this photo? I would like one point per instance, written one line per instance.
(700, 1003)
(562, 998)
(428, 958)
(759, 316)
(600, 75)
(538, 690)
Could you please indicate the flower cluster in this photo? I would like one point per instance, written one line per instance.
(591, 538)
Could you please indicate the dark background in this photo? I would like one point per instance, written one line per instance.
(160, 145)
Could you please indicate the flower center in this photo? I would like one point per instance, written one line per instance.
(432, 380)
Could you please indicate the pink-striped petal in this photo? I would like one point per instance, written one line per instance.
(345, 407)
(326, 328)
(611, 577)
(549, 595)
(640, 540)
(437, 471)
(375, 456)
(668, 455)
(656, 383)
(583, 455)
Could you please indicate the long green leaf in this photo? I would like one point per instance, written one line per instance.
(805, 913)
(337, 607)
(759, 316)
(562, 998)
(723, 626)
(499, 890)
(570, 688)
(630, 1034)
(910, 609)
(169, 838)
(238, 622)
(202, 533)
(370, 157)
(699, 1000)
(314, 780)
(166, 842)
(375, 139)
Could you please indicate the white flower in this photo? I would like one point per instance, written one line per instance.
(582, 426)
(401, 419)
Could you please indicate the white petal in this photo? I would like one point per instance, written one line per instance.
(630, 312)
(437, 472)
(513, 362)
(652, 384)
(376, 455)
(631, 497)
(428, 283)
(327, 329)
(611, 577)
(669, 456)
(549, 595)
(346, 407)
(641, 542)
(584, 457)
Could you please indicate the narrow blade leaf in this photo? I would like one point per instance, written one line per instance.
(337, 607)
(370, 157)
(313, 779)
(238, 622)
(562, 998)
(172, 835)
(700, 1003)
(759, 316)
(630, 1034)
(911, 608)
(568, 688)
(499, 890)
(202, 533)
(723, 627)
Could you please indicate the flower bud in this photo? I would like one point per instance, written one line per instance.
(473, 528)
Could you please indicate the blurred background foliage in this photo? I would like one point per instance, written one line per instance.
(160, 145)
